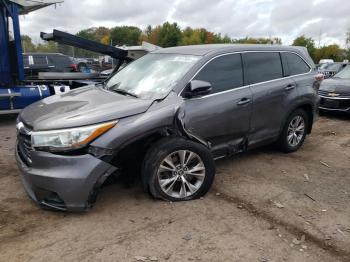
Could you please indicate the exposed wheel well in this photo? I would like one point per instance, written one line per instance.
(128, 160)
(308, 109)
(136, 150)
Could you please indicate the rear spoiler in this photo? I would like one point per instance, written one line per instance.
(75, 41)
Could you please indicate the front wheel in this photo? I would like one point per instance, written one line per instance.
(294, 132)
(177, 169)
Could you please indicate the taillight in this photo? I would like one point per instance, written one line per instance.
(319, 77)
(74, 67)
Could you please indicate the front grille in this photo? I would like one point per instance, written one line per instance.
(344, 104)
(24, 145)
(330, 103)
(323, 93)
(326, 94)
(328, 74)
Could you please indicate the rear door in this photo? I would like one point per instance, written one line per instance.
(62, 63)
(271, 94)
(222, 117)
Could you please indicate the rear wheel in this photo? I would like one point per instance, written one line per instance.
(177, 169)
(82, 67)
(294, 132)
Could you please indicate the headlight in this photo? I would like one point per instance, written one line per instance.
(69, 139)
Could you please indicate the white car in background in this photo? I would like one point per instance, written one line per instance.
(326, 61)
(134, 53)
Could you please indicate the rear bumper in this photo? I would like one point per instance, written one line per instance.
(65, 183)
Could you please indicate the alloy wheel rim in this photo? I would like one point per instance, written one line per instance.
(296, 130)
(181, 174)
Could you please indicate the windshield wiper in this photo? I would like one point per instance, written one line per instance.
(123, 92)
(100, 84)
(114, 88)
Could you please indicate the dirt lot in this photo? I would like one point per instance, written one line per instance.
(262, 206)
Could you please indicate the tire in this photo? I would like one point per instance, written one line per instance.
(187, 181)
(82, 67)
(284, 142)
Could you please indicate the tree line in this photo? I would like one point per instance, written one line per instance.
(170, 34)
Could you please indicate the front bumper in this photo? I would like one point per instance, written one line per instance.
(65, 183)
(334, 104)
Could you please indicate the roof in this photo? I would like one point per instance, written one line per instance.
(28, 6)
(202, 50)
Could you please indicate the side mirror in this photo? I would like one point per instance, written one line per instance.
(198, 88)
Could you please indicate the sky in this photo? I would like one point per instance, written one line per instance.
(326, 21)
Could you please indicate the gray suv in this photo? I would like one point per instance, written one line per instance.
(169, 115)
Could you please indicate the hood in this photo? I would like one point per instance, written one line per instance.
(336, 85)
(81, 107)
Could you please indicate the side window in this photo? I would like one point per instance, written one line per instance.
(224, 73)
(294, 64)
(62, 60)
(40, 60)
(261, 67)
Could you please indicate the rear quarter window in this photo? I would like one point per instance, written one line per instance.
(294, 64)
(262, 66)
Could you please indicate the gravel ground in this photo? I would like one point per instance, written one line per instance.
(264, 206)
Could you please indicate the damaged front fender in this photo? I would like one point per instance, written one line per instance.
(180, 125)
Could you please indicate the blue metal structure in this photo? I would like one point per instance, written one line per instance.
(14, 93)
(9, 66)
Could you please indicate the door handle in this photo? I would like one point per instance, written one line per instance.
(290, 87)
(244, 101)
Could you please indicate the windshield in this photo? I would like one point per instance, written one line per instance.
(344, 74)
(152, 76)
(332, 67)
(323, 66)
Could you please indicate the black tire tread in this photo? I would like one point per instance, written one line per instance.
(282, 141)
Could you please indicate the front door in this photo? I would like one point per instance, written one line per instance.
(221, 118)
